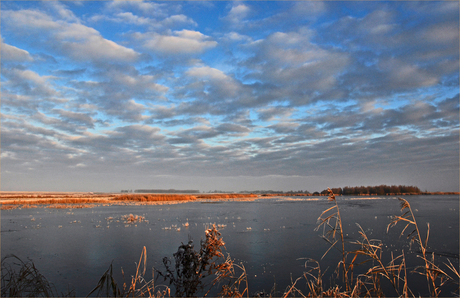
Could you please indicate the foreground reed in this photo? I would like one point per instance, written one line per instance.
(22, 279)
(370, 251)
(195, 273)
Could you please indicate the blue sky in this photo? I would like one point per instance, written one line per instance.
(281, 95)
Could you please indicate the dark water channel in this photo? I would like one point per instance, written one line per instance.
(74, 247)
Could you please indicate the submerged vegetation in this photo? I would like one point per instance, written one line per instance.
(364, 268)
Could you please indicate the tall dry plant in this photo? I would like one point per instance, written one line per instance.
(192, 268)
(370, 251)
(331, 221)
(22, 279)
(138, 287)
(435, 276)
(395, 271)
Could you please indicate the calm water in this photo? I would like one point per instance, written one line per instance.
(74, 247)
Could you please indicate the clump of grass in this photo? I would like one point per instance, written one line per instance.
(435, 276)
(138, 287)
(22, 279)
(130, 218)
(192, 268)
(188, 277)
(370, 251)
(331, 219)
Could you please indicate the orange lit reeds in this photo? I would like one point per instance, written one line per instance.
(8, 207)
(56, 201)
(226, 196)
(155, 197)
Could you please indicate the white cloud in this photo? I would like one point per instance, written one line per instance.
(401, 74)
(128, 17)
(26, 18)
(178, 20)
(442, 33)
(62, 11)
(181, 42)
(73, 39)
(29, 82)
(207, 72)
(14, 54)
(235, 36)
(147, 8)
(237, 13)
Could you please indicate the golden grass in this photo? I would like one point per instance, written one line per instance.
(226, 196)
(9, 207)
(290, 195)
(56, 201)
(154, 197)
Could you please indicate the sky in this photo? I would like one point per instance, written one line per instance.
(231, 96)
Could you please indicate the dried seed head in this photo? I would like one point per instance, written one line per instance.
(331, 195)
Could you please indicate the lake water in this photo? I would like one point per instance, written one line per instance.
(74, 247)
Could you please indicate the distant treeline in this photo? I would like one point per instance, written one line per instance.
(375, 190)
(354, 191)
(162, 191)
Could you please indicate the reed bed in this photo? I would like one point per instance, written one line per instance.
(226, 196)
(51, 195)
(56, 201)
(154, 197)
(9, 207)
(71, 206)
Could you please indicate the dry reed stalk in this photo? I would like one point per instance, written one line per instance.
(333, 214)
(391, 272)
(315, 285)
(415, 236)
(293, 289)
(27, 281)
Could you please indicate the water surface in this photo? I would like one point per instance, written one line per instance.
(74, 247)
